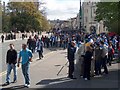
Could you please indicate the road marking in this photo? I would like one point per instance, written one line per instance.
(61, 68)
(46, 55)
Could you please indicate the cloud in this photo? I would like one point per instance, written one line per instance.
(62, 9)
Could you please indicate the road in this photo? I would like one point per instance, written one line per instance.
(18, 43)
(44, 72)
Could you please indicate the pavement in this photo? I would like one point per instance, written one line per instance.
(45, 74)
(5, 46)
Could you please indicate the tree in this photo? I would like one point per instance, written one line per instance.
(109, 13)
(45, 24)
(24, 16)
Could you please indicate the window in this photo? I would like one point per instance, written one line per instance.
(86, 19)
(87, 10)
(94, 10)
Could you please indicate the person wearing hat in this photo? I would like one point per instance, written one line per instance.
(71, 57)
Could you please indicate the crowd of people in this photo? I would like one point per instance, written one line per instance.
(93, 52)
(99, 50)
(96, 53)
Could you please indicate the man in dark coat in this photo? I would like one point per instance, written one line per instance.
(2, 37)
(29, 43)
(71, 58)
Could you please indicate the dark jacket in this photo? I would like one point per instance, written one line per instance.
(88, 56)
(29, 43)
(71, 53)
(98, 53)
(11, 57)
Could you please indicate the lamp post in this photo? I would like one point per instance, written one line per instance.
(80, 16)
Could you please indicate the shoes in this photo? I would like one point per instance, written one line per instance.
(27, 85)
(7, 83)
(71, 77)
(86, 79)
(105, 72)
(14, 81)
(81, 76)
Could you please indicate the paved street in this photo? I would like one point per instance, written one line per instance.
(44, 72)
(5, 46)
(86, 30)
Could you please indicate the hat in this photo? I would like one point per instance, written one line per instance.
(88, 45)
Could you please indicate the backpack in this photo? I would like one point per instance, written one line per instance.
(113, 51)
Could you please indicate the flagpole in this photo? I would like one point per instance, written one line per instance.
(80, 16)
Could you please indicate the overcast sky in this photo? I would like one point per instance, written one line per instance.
(61, 9)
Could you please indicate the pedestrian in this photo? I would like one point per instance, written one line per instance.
(97, 58)
(110, 53)
(26, 56)
(79, 60)
(29, 43)
(71, 57)
(23, 36)
(104, 57)
(2, 37)
(33, 45)
(87, 62)
(39, 46)
(90, 44)
(51, 41)
(47, 42)
(11, 60)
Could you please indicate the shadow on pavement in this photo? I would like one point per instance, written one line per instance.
(3, 85)
(49, 81)
(110, 80)
(15, 87)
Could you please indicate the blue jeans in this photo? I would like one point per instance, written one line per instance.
(9, 68)
(25, 71)
(98, 67)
